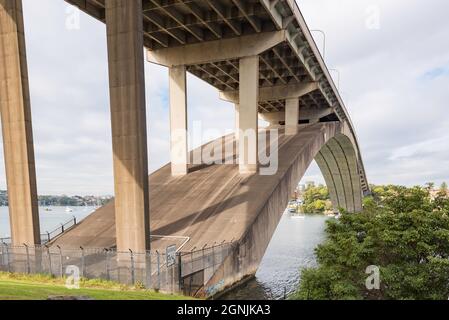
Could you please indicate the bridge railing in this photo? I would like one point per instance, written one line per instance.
(181, 272)
(49, 235)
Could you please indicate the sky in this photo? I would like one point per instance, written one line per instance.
(392, 57)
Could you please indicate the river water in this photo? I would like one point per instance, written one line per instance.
(291, 249)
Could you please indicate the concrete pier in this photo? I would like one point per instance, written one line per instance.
(248, 114)
(291, 116)
(129, 131)
(178, 120)
(16, 126)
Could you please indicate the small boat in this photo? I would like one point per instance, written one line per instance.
(67, 209)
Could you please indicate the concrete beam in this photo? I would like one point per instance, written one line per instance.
(15, 108)
(274, 92)
(291, 116)
(129, 130)
(305, 114)
(178, 120)
(248, 115)
(217, 50)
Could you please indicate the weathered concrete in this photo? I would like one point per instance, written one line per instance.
(248, 114)
(129, 132)
(274, 92)
(16, 126)
(216, 203)
(218, 50)
(237, 121)
(178, 120)
(311, 114)
(291, 116)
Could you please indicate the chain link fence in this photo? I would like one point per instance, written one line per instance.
(175, 272)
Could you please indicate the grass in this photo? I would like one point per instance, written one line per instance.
(40, 287)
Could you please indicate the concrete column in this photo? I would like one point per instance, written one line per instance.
(248, 115)
(178, 120)
(129, 131)
(16, 126)
(291, 116)
(237, 121)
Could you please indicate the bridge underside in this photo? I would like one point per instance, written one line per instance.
(215, 204)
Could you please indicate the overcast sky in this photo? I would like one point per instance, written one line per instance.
(393, 57)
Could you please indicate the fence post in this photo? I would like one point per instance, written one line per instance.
(213, 257)
(158, 270)
(148, 276)
(4, 250)
(74, 220)
(28, 259)
(7, 257)
(204, 260)
(180, 284)
(61, 267)
(191, 259)
(48, 236)
(132, 267)
(108, 267)
(49, 259)
(62, 228)
(82, 262)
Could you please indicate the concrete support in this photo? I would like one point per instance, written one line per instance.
(129, 133)
(178, 120)
(237, 121)
(248, 115)
(16, 126)
(291, 116)
(217, 50)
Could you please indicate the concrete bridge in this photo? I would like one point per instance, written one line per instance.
(260, 56)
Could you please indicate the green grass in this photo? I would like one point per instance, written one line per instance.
(40, 287)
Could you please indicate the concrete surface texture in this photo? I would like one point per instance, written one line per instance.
(129, 128)
(215, 203)
(16, 126)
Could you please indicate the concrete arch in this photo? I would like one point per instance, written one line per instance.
(338, 162)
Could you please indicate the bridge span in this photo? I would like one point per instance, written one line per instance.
(261, 57)
(216, 204)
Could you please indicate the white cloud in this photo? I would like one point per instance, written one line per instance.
(393, 81)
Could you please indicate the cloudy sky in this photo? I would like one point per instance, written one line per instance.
(393, 58)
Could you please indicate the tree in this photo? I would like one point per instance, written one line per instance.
(316, 199)
(402, 231)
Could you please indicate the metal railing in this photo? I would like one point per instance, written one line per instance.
(48, 236)
(182, 272)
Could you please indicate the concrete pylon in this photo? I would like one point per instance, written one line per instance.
(248, 114)
(178, 120)
(237, 121)
(16, 126)
(291, 116)
(129, 132)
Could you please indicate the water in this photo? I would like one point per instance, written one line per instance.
(291, 249)
(49, 220)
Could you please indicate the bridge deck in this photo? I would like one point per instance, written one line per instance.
(211, 204)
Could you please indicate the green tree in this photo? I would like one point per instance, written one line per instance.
(402, 231)
(316, 199)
